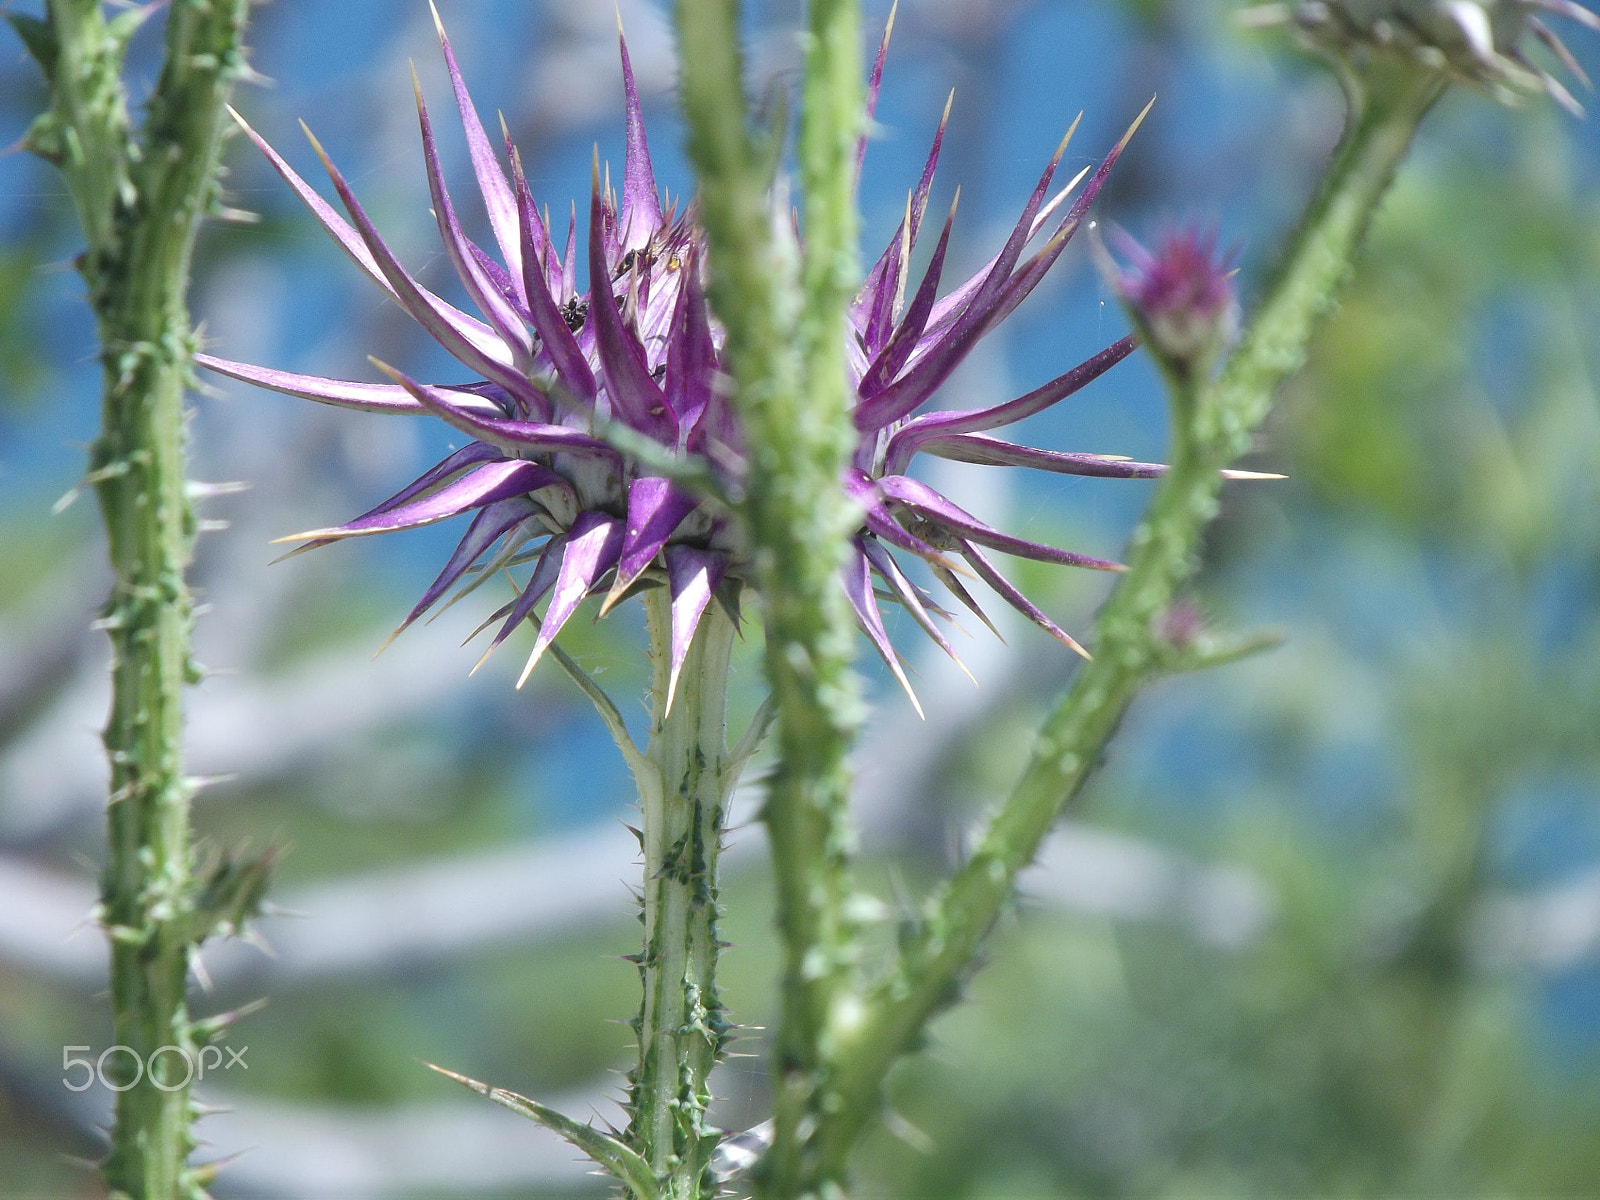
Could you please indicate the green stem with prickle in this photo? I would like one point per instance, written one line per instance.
(684, 784)
(140, 198)
(786, 350)
(799, 519)
(1212, 424)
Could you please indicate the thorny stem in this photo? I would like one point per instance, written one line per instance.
(785, 329)
(140, 200)
(1212, 425)
(684, 784)
(810, 635)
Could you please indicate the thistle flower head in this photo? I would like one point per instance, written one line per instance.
(603, 444)
(1482, 43)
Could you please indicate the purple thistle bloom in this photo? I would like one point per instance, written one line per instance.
(569, 385)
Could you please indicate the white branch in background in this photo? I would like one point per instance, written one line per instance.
(247, 727)
(436, 911)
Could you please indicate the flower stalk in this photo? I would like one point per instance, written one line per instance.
(1213, 423)
(684, 781)
(796, 408)
(140, 196)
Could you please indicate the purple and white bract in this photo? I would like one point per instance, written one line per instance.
(558, 371)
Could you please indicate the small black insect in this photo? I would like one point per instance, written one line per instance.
(574, 312)
(641, 258)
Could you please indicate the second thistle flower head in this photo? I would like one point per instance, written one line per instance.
(601, 432)
(1483, 43)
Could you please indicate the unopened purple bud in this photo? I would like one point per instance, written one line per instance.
(1182, 296)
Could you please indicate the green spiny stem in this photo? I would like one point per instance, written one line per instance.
(140, 201)
(683, 788)
(800, 524)
(1212, 424)
(785, 348)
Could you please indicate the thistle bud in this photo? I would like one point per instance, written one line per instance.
(1181, 297)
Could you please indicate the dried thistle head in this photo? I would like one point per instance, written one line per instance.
(1482, 43)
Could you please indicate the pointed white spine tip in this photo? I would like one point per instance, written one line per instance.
(438, 26)
(1074, 182)
(614, 596)
(1134, 128)
(533, 661)
(389, 641)
(322, 154)
(394, 374)
(1066, 138)
(905, 684)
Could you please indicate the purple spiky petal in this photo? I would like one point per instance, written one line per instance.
(930, 505)
(566, 356)
(493, 361)
(592, 547)
(904, 339)
(902, 397)
(691, 375)
(494, 305)
(498, 199)
(1009, 592)
(656, 507)
(352, 243)
(907, 593)
(692, 578)
(905, 441)
(492, 522)
(641, 203)
(992, 452)
(636, 398)
(874, 82)
(479, 486)
(545, 571)
(341, 393)
(513, 436)
(856, 575)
